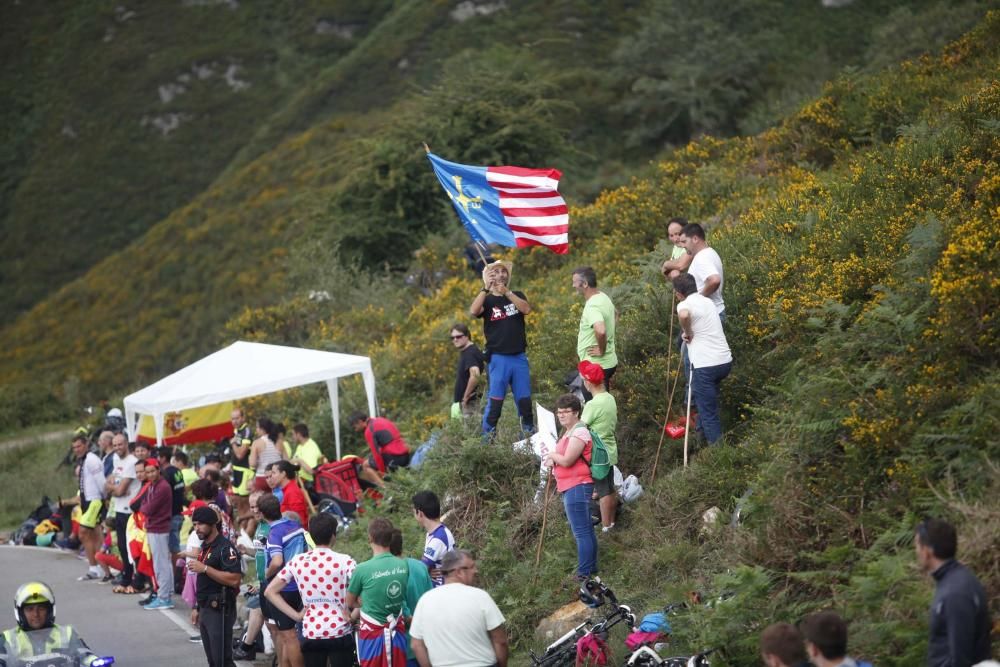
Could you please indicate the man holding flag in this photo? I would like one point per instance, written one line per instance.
(514, 207)
(503, 312)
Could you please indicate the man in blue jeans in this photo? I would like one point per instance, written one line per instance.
(503, 312)
(708, 352)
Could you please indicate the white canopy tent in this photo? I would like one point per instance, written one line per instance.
(247, 369)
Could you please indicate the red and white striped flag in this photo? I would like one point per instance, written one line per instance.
(512, 206)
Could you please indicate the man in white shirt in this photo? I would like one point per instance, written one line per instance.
(90, 470)
(458, 625)
(121, 486)
(706, 266)
(707, 350)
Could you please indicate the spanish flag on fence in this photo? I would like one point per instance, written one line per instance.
(206, 424)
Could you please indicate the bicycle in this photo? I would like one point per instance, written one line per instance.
(563, 651)
(647, 657)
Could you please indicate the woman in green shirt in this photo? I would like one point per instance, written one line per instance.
(601, 415)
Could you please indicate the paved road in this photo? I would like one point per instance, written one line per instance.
(110, 624)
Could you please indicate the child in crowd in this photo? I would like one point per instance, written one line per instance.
(427, 510)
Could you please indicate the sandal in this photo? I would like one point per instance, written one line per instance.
(131, 590)
(118, 589)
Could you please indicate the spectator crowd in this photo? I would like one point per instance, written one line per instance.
(152, 522)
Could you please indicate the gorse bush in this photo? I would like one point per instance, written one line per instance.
(861, 242)
(861, 299)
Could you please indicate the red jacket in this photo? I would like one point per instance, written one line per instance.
(384, 439)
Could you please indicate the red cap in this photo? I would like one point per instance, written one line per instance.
(591, 372)
(195, 504)
(153, 461)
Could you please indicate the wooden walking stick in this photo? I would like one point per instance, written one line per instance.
(670, 396)
(541, 534)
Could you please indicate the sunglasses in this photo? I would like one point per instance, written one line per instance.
(458, 336)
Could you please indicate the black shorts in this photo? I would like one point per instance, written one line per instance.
(392, 461)
(272, 613)
(606, 486)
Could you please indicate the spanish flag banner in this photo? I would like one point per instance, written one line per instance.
(206, 424)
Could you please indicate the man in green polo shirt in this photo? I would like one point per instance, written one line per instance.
(596, 340)
(307, 455)
(378, 587)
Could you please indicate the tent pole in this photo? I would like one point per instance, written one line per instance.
(333, 388)
(158, 424)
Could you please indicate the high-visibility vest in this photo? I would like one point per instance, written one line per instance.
(60, 637)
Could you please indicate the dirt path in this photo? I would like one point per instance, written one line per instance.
(50, 436)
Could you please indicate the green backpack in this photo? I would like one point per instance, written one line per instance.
(600, 460)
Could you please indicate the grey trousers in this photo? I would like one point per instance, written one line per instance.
(159, 544)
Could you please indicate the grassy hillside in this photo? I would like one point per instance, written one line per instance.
(124, 120)
(118, 115)
(861, 239)
(862, 243)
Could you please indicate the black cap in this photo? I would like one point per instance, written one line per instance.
(205, 515)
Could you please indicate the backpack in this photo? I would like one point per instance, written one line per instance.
(600, 460)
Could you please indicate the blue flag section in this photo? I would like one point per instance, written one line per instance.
(475, 200)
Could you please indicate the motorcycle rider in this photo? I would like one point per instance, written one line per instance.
(37, 633)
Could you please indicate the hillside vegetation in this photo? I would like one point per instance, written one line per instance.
(165, 166)
(861, 238)
(862, 244)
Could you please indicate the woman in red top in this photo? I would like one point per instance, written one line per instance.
(286, 479)
(570, 466)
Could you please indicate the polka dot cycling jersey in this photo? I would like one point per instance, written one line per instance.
(322, 576)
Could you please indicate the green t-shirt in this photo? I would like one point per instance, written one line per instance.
(309, 452)
(419, 583)
(381, 585)
(601, 415)
(677, 252)
(598, 308)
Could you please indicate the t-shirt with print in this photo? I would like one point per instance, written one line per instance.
(381, 585)
(601, 415)
(288, 540)
(707, 263)
(470, 357)
(503, 325)
(322, 576)
(597, 309)
(439, 542)
(124, 468)
(260, 550)
(176, 481)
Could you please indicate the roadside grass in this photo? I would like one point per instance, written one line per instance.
(25, 434)
(28, 472)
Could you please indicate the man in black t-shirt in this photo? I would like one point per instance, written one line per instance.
(470, 367)
(503, 314)
(219, 574)
(178, 500)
